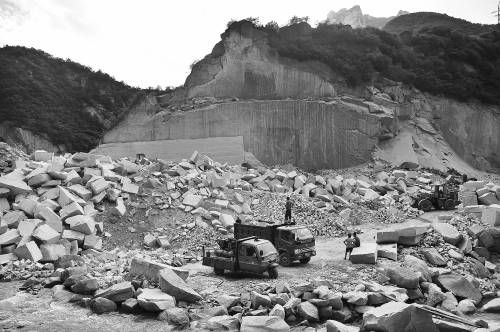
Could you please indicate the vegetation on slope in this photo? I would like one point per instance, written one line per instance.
(59, 99)
(437, 59)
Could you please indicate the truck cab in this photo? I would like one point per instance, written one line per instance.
(249, 254)
(293, 242)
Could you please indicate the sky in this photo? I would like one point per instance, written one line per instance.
(150, 43)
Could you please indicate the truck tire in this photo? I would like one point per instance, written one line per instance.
(285, 259)
(305, 260)
(449, 204)
(425, 205)
(218, 271)
(273, 273)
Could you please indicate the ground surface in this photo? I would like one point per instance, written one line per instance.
(26, 312)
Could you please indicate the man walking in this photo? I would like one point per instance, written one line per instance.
(288, 210)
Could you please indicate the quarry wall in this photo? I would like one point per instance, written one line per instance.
(311, 135)
(228, 149)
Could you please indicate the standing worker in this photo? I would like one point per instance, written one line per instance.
(357, 241)
(288, 210)
(349, 245)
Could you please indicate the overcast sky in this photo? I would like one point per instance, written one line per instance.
(152, 42)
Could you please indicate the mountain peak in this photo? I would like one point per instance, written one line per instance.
(355, 18)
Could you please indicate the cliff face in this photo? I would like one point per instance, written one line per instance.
(279, 114)
(243, 66)
(311, 135)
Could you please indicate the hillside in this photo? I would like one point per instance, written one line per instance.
(59, 100)
(435, 60)
(424, 21)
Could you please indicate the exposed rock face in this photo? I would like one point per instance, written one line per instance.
(26, 140)
(242, 66)
(311, 135)
(356, 19)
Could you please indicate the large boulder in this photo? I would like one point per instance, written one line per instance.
(403, 277)
(308, 311)
(117, 293)
(417, 265)
(459, 286)
(223, 323)
(263, 324)
(433, 256)
(389, 251)
(101, 305)
(85, 286)
(151, 270)
(154, 300)
(449, 232)
(175, 316)
(173, 285)
(492, 306)
(334, 326)
(397, 317)
(410, 234)
(364, 254)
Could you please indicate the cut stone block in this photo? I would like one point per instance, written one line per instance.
(119, 209)
(387, 236)
(29, 251)
(81, 191)
(73, 235)
(70, 210)
(491, 215)
(26, 227)
(28, 206)
(174, 285)
(14, 182)
(192, 200)
(12, 218)
(154, 300)
(488, 199)
(449, 232)
(11, 236)
(99, 185)
(38, 180)
(130, 188)
(42, 155)
(46, 234)
(92, 242)
(81, 223)
(389, 251)
(150, 269)
(5, 258)
(51, 252)
(66, 198)
(4, 205)
(364, 254)
(51, 219)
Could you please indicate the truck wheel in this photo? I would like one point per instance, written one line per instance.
(449, 204)
(218, 271)
(425, 205)
(305, 260)
(273, 273)
(285, 259)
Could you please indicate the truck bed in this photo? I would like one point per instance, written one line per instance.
(226, 263)
(265, 232)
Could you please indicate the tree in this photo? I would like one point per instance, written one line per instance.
(297, 20)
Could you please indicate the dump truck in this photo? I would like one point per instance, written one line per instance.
(249, 254)
(293, 242)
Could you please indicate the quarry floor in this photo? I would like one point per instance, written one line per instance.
(26, 312)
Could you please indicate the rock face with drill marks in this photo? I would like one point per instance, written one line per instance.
(311, 135)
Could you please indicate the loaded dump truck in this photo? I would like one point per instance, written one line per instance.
(294, 243)
(249, 254)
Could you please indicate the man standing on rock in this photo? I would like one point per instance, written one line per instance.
(288, 210)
